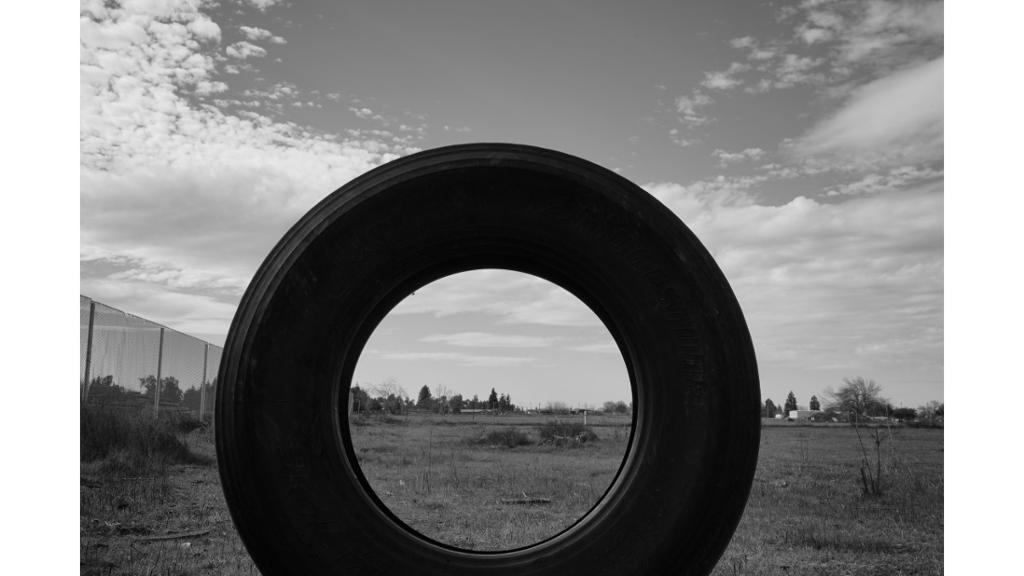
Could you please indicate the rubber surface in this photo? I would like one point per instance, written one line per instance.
(287, 467)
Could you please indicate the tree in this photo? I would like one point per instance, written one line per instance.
(169, 390)
(790, 403)
(393, 404)
(389, 387)
(931, 413)
(904, 414)
(455, 403)
(619, 407)
(102, 389)
(505, 403)
(360, 399)
(192, 399)
(858, 397)
(769, 409)
(815, 405)
(440, 390)
(492, 400)
(556, 408)
(425, 401)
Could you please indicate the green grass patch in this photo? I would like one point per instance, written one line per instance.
(126, 443)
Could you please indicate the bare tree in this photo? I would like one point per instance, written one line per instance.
(440, 390)
(857, 396)
(389, 387)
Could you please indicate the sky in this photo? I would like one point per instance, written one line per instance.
(802, 142)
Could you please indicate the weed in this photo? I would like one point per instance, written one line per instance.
(509, 438)
(566, 433)
(871, 480)
(133, 443)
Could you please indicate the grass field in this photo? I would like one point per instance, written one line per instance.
(456, 479)
(806, 515)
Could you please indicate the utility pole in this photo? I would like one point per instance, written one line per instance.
(202, 387)
(159, 368)
(88, 351)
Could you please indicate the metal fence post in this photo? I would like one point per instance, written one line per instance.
(202, 387)
(159, 368)
(88, 351)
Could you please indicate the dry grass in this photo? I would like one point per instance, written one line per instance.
(457, 479)
(141, 478)
(807, 513)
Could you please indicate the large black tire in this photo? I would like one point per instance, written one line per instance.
(289, 473)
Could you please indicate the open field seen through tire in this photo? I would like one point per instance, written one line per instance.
(498, 470)
(287, 462)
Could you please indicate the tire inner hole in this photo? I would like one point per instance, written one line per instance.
(490, 410)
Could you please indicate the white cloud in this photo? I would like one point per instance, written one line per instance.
(187, 312)
(262, 5)
(205, 28)
(818, 280)
(511, 297)
(256, 34)
(795, 69)
(761, 54)
(689, 107)
(812, 35)
(755, 51)
(872, 30)
(894, 179)
(182, 196)
(206, 87)
(364, 112)
(744, 42)
(676, 137)
(243, 50)
(896, 118)
(598, 348)
(852, 41)
(879, 27)
(725, 79)
(725, 158)
(491, 340)
(457, 358)
(825, 19)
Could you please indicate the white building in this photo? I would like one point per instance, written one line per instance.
(799, 415)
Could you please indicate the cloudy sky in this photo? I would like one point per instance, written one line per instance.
(801, 141)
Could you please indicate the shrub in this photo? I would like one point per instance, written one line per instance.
(135, 441)
(565, 432)
(509, 438)
(186, 422)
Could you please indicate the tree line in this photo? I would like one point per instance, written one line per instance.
(857, 398)
(388, 397)
(103, 390)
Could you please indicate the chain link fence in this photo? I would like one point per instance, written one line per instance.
(131, 362)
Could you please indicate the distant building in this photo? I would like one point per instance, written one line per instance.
(802, 415)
